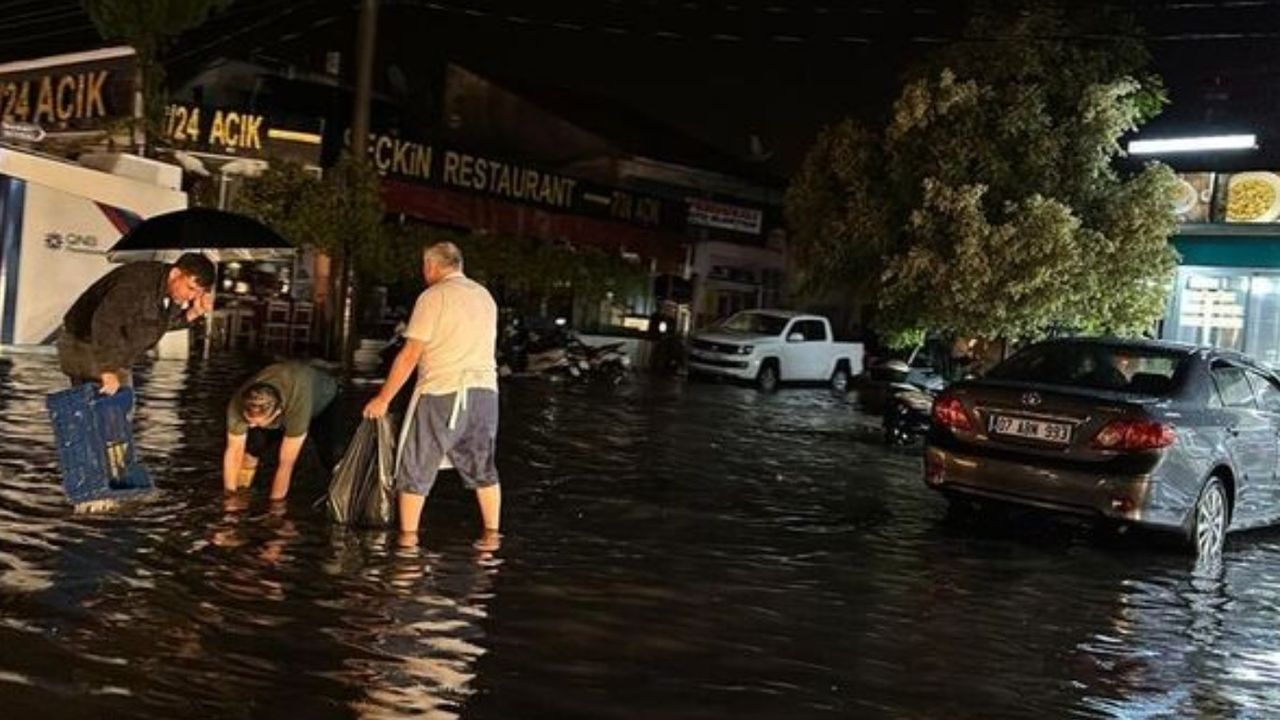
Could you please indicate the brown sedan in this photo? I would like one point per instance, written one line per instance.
(1156, 434)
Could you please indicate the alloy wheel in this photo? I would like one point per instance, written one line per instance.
(1211, 520)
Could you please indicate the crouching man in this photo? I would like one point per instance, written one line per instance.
(453, 414)
(289, 398)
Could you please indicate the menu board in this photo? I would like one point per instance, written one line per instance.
(1251, 197)
(1192, 197)
(1213, 302)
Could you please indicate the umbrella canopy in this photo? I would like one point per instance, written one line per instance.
(221, 236)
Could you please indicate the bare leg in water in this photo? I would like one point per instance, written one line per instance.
(488, 498)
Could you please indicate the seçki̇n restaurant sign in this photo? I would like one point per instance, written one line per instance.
(427, 164)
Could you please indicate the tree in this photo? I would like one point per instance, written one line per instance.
(535, 270)
(991, 205)
(147, 26)
(340, 214)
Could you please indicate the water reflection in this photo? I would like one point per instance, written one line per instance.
(673, 550)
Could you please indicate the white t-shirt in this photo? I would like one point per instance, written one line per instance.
(457, 322)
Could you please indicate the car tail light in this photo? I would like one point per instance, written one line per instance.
(1134, 435)
(949, 412)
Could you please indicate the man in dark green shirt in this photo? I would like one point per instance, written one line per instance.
(288, 396)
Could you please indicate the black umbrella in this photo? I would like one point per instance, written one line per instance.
(220, 235)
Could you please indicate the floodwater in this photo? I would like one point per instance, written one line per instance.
(671, 550)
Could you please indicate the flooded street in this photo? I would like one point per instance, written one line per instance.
(671, 550)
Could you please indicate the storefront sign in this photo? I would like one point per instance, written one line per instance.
(227, 131)
(446, 167)
(81, 91)
(242, 133)
(507, 180)
(1192, 197)
(724, 216)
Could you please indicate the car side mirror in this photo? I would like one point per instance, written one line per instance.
(795, 337)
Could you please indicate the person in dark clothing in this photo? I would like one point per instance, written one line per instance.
(126, 312)
(292, 397)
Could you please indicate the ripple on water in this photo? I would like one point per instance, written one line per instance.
(672, 550)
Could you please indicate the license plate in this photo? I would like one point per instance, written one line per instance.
(1034, 429)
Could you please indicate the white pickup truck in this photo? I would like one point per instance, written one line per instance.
(772, 346)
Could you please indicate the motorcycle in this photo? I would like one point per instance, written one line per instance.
(908, 414)
(557, 352)
(903, 396)
(605, 362)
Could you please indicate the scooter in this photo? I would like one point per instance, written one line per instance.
(605, 362)
(904, 397)
(907, 414)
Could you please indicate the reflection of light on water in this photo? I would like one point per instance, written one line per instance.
(14, 678)
(423, 633)
(19, 576)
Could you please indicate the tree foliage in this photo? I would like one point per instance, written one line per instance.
(990, 204)
(147, 26)
(339, 211)
(531, 270)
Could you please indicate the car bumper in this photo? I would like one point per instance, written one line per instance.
(741, 367)
(1123, 492)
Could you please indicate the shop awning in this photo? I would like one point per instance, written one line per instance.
(1240, 251)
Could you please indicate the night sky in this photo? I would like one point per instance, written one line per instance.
(719, 71)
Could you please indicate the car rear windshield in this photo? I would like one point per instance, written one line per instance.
(755, 323)
(1126, 369)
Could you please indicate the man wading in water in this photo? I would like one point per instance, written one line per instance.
(289, 398)
(126, 312)
(453, 414)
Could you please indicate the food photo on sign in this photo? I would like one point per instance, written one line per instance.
(1252, 197)
(1192, 197)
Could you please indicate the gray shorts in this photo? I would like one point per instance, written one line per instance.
(470, 445)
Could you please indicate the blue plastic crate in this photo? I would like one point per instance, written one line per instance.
(95, 444)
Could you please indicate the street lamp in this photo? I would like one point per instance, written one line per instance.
(1200, 143)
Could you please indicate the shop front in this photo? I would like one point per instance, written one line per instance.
(1227, 289)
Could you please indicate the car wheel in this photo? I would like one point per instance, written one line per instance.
(840, 380)
(767, 379)
(892, 424)
(1209, 520)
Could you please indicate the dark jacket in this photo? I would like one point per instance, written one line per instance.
(124, 314)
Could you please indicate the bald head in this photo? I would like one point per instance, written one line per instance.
(440, 260)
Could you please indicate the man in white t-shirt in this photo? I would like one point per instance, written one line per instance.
(453, 415)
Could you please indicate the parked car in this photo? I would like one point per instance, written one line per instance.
(1156, 434)
(771, 346)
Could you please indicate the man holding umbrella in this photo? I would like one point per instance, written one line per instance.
(126, 312)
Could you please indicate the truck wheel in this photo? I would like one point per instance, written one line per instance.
(840, 380)
(767, 378)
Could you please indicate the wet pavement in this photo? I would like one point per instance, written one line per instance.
(672, 550)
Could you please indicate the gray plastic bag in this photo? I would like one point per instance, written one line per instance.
(362, 491)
